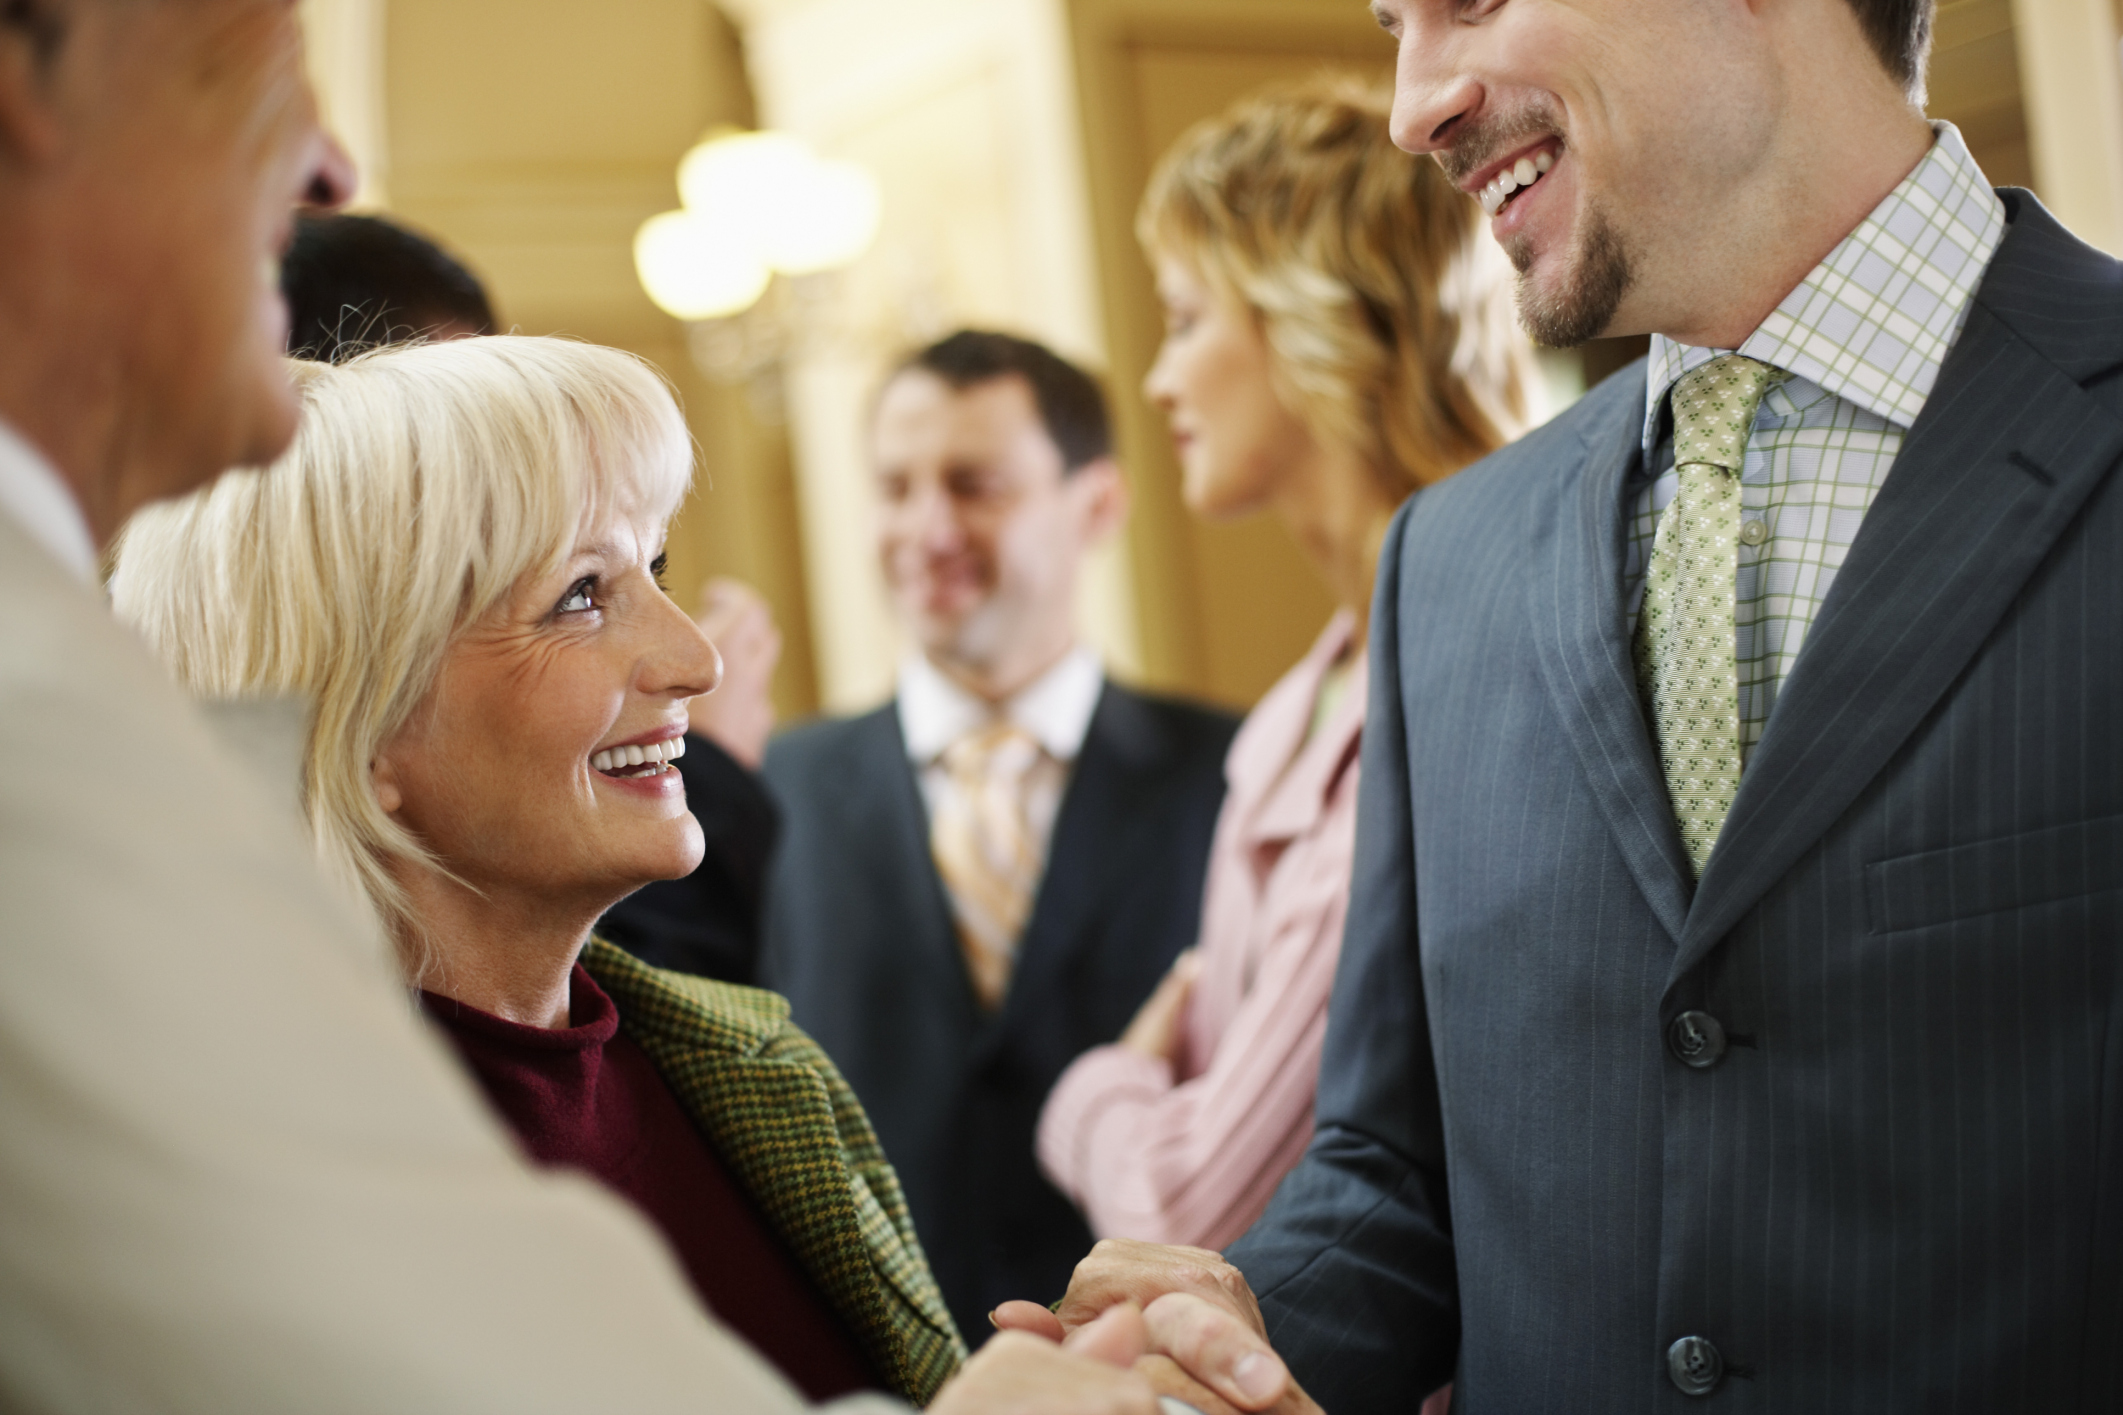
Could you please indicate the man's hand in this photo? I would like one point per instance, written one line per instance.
(739, 715)
(1017, 1374)
(1199, 1316)
(1155, 1032)
(1122, 1270)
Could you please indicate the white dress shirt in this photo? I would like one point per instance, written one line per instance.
(1863, 336)
(1055, 710)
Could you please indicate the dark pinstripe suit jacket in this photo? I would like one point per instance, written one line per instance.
(1902, 1188)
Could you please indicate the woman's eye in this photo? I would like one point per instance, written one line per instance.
(657, 569)
(577, 600)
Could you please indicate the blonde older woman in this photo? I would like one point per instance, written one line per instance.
(457, 564)
(1338, 335)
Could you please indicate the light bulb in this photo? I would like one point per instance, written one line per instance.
(695, 269)
(755, 203)
(825, 221)
(730, 177)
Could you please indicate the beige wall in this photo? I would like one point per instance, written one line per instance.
(1975, 82)
(2073, 87)
(346, 44)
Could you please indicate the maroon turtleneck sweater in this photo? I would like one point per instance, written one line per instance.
(587, 1097)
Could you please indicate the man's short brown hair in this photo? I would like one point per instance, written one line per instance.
(1071, 406)
(1900, 32)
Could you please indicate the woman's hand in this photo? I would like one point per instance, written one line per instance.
(1155, 1030)
(739, 715)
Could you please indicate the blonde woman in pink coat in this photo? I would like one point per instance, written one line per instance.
(1339, 334)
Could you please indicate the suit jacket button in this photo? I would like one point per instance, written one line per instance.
(1695, 1365)
(1697, 1039)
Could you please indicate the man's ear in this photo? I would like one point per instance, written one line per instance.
(33, 41)
(1105, 490)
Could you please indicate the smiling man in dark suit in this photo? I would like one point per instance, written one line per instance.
(1731, 1012)
(986, 876)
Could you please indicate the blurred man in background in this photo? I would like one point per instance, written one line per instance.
(988, 874)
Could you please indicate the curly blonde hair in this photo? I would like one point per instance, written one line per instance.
(1385, 307)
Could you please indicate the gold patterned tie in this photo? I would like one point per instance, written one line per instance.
(985, 853)
(1684, 640)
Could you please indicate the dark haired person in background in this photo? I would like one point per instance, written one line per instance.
(357, 282)
(987, 875)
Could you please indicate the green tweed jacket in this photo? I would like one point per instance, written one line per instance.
(781, 1117)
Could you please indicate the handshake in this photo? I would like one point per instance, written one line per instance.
(1140, 1322)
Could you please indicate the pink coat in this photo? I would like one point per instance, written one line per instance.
(1191, 1153)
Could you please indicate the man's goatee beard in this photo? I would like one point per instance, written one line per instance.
(1585, 307)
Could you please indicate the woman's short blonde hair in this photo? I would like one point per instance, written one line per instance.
(425, 482)
(1386, 308)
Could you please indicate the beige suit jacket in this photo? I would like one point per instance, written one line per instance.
(236, 1174)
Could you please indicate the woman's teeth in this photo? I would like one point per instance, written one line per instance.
(1522, 173)
(639, 761)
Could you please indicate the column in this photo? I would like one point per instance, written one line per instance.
(345, 42)
(2073, 87)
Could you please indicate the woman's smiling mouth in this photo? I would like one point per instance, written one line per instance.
(631, 763)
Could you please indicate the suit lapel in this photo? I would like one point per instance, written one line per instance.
(2006, 451)
(1581, 638)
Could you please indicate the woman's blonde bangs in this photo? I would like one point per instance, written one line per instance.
(425, 482)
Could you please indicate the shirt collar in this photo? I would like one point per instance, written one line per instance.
(32, 493)
(1873, 322)
(1294, 779)
(1054, 708)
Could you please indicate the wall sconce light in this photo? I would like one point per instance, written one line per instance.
(755, 205)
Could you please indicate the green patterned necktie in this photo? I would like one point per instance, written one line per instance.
(1684, 638)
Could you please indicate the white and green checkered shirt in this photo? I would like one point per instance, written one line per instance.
(1863, 337)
